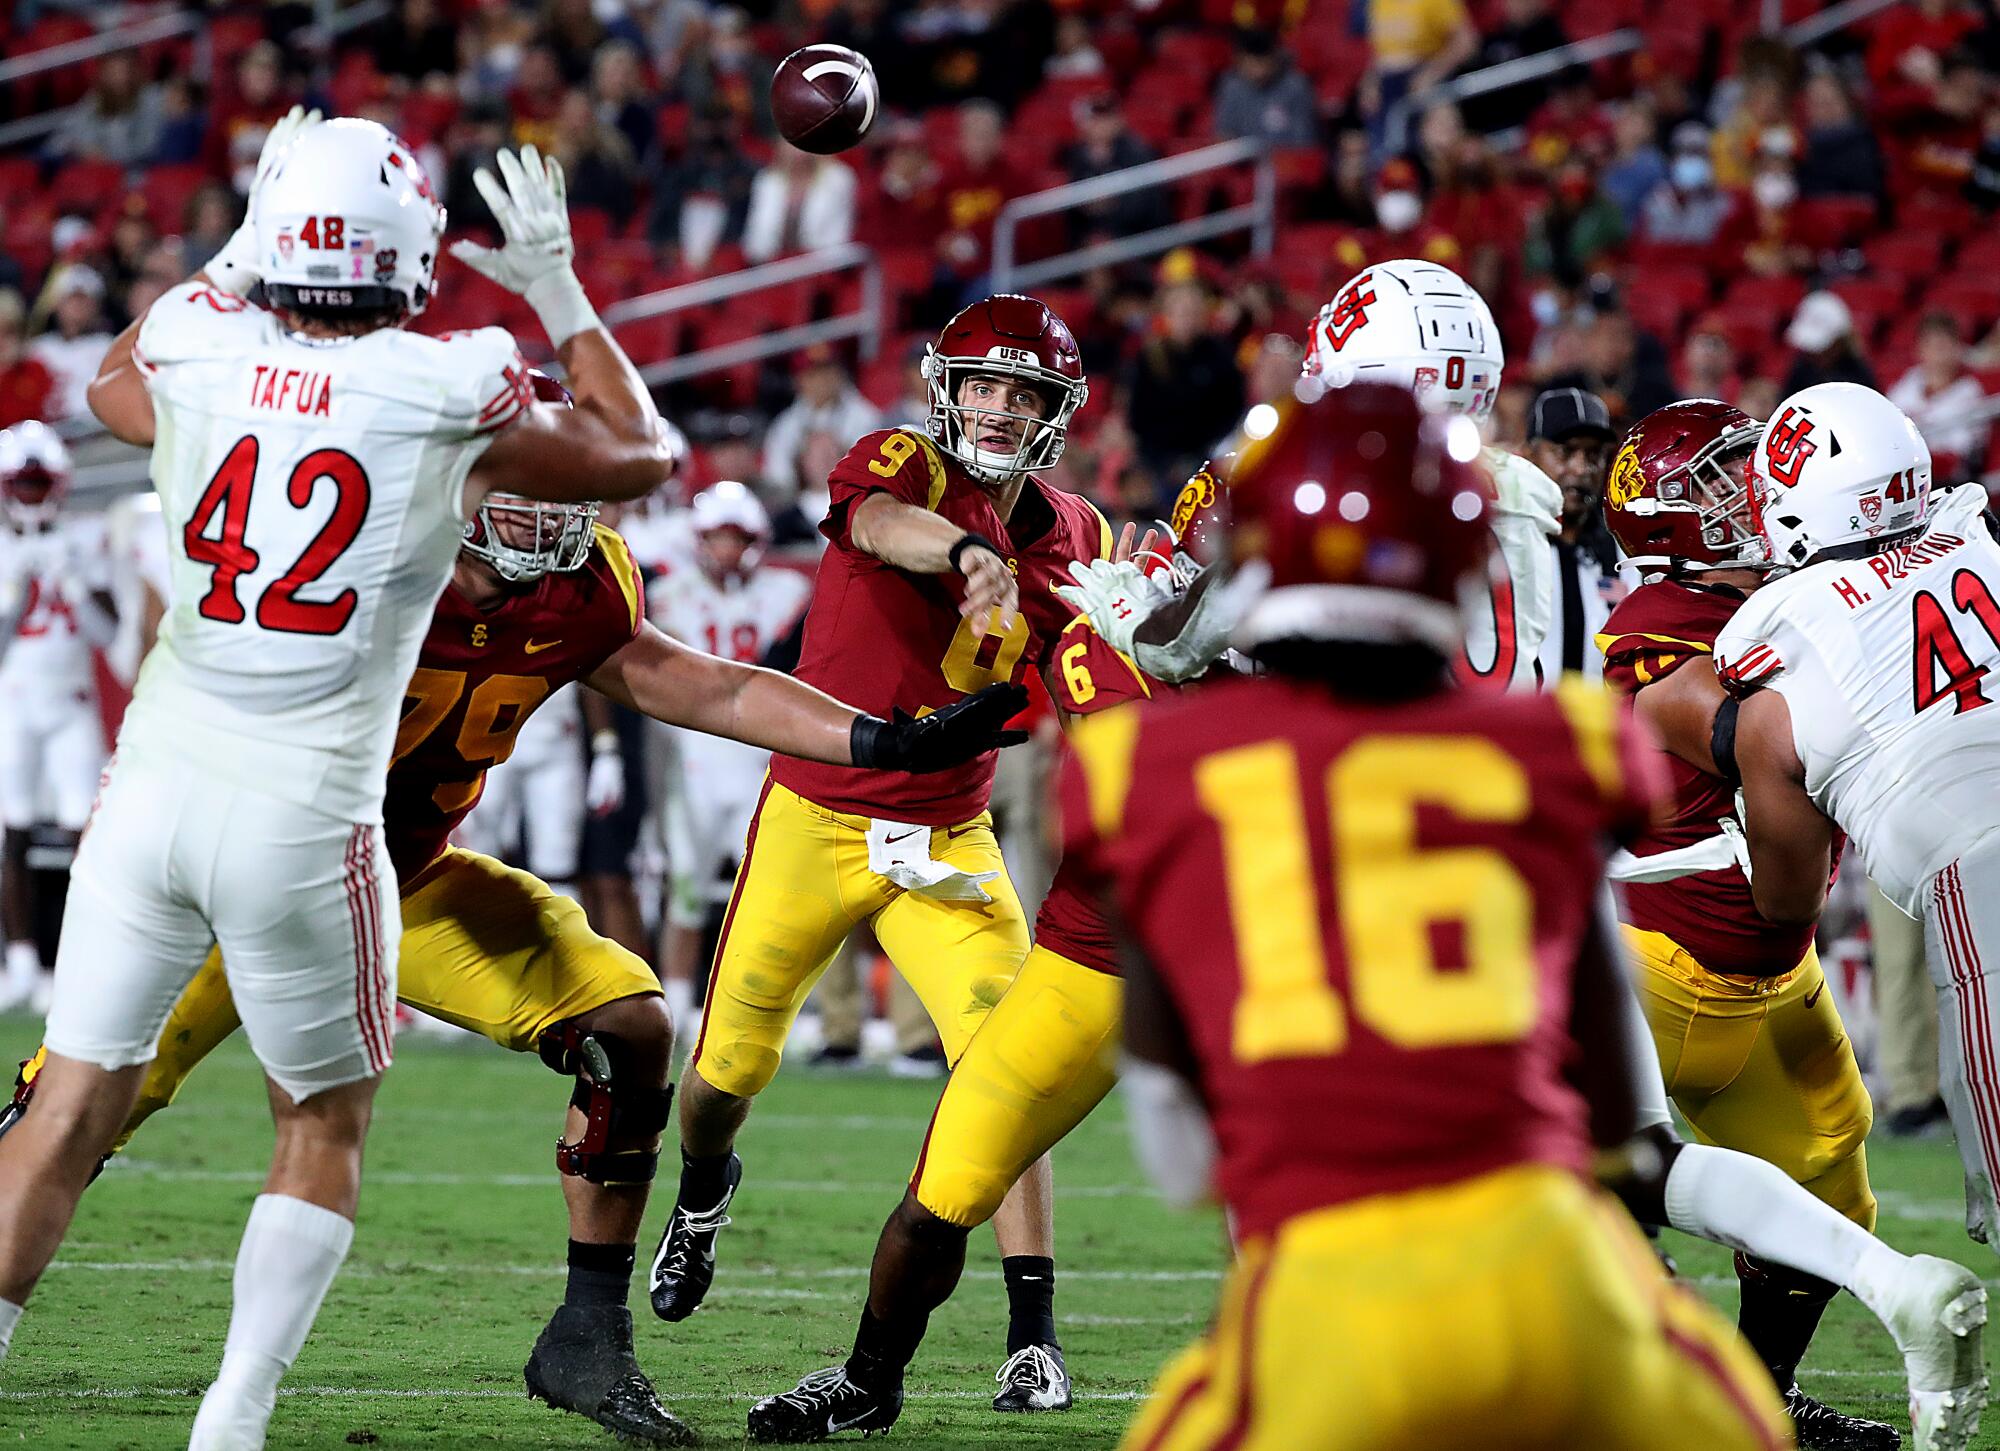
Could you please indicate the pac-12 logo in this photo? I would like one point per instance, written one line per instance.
(1349, 313)
(1788, 443)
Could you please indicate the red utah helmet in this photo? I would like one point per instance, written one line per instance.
(1676, 498)
(34, 475)
(1369, 513)
(1007, 336)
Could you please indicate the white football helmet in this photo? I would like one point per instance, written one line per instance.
(34, 473)
(1837, 463)
(1415, 324)
(348, 221)
(727, 504)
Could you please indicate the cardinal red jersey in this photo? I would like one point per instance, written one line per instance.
(1086, 676)
(481, 674)
(1366, 915)
(1654, 631)
(885, 639)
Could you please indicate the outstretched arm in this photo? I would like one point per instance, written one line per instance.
(660, 677)
(925, 543)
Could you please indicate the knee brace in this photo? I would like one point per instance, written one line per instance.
(610, 1103)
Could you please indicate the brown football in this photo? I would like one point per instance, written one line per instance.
(824, 98)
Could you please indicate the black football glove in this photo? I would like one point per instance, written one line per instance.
(942, 739)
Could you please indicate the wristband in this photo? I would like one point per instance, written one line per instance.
(869, 742)
(560, 303)
(605, 743)
(969, 540)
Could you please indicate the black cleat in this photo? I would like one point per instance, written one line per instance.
(824, 1404)
(684, 1264)
(1033, 1379)
(583, 1362)
(1821, 1428)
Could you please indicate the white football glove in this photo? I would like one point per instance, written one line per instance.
(532, 210)
(234, 269)
(604, 792)
(1117, 597)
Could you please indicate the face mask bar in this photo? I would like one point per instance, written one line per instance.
(32, 513)
(1705, 488)
(525, 539)
(956, 425)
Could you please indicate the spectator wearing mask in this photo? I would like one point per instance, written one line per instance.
(76, 342)
(1105, 143)
(1407, 229)
(1762, 234)
(1569, 439)
(1183, 389)
(119, 120)
(1688, 209)
(799, 203)
(1822, 333)
(27, 387)
(1076, 56)
(1637, 165)
(1941, 395)
(1576, 228)
(1841, 157)
(828, 406)
(1413, 44)
(1263, 95)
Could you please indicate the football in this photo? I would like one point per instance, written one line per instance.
(824, 98)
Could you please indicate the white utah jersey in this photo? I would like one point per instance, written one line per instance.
(311, 492)
(41, 575)
(1891, 668)
(738, 621)
(1505, 629)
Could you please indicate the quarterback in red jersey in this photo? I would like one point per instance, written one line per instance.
(1388, 1018)
(542, 596)
(938, 581)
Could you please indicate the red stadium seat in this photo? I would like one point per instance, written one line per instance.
(98, 185)
(1832, 221)
(1774, 295)
(1974, 298)
(167, 189)
(1912, 254)
(1944, 216)
(1874, 301)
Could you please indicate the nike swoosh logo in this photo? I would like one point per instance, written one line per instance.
(952, 833)
(832, 1425)
(904, 837)
(531, 648)
(1813, 996)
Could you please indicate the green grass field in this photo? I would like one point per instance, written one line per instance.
(458, 1261)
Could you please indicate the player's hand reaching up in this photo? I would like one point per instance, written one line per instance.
(234, 269)
(530, 202)
(989, 585)
(944, 738)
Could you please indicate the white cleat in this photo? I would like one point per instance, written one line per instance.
(1938, 1321)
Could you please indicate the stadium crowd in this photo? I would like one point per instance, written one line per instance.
(1720, 212)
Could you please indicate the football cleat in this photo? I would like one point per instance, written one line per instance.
(1033, 1379)
(684, 1264)
(1819, 1427)
(824, 1404)
(1938, 1320)
(583, 1362)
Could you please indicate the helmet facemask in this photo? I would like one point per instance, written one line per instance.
(958, 425)
(524, 539)
(1713, 486)
(31, 499)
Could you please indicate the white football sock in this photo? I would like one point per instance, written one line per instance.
(680, 1004)
(24, 965)
(10, 1316)
(289, 1256)
(1740, 1201)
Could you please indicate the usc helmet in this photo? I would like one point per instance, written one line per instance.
(1013, 337)
(1414, 324)
(523, 539)
(1676, 499)
(1367, 510)
(1838, 463)
(1197, 524)
(348, 221)
(34, 475)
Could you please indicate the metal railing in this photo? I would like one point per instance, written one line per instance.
(1509, 73)
(130, 37)
(1258, 216)
(865, 323)
(1834, 17)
